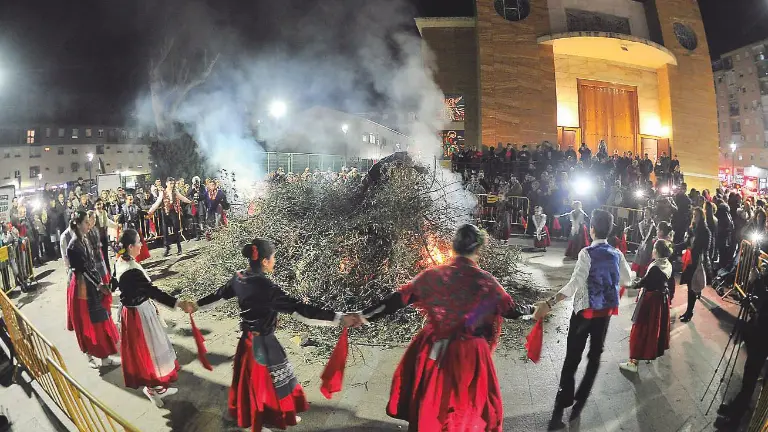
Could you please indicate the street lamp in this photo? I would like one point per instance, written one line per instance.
(733, 161)
(90, 166)
(277, 109)
(345, 128)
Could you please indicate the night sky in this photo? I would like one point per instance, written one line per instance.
(85, 60)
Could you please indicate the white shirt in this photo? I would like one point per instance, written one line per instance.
(577, 286)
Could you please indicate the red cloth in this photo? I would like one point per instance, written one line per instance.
(577, 243)
(200, 342)
(96, 339)
(534, 341)
(544, 242)
(457, 392)
(224, 220)
(524, 222)
(556, 224)
(152, 227)
(333, 374)
(590, 313)
(138, 365)
(686, 258)
(622, 291)
(639, 270)
(252, 397)
(650, 333)
(194, 210)
(144, 253)
(622, 245)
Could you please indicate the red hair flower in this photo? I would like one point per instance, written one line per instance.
(254, 253)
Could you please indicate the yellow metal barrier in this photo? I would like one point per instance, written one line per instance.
(488, 206)
(630, 217)
(748, 255)
(86, 412)
(31, 347)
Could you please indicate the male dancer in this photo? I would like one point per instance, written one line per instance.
(594, 286)
(171, 212)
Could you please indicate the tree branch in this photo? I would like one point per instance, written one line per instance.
(192, 84)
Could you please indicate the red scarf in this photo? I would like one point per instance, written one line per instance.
(333, 374)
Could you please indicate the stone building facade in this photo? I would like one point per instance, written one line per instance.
(533, 71)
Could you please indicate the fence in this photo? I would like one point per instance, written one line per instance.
(630, 218)
(15, 264)
(748, 255)
(45, 365)
(298, 162)
(489, 207)
(86, 412)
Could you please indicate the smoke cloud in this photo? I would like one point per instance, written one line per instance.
(350, 55)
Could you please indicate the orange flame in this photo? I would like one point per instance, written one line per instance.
(436, 252)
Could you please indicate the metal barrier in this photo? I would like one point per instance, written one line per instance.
(630, 217)
(31, 347)
(747, 259)
(7, 277)
(489, 207)
(86, 412)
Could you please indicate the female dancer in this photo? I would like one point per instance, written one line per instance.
(646, 229)
(88, 301)
(541, 234)
(579, 234)
(148, 356)
(94, 241)
(264, 387)
(699, 255)
(649, 337)
(446, 379)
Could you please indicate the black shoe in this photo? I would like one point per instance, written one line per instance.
(728, 423)
(167, 252)
(576, 411)
(686, 317)
(556, 422)
(725, 410)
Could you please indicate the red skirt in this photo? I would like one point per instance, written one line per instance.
(147, 356)
(650, 332)
(640, 270)
(544, 242)
(96, 339)
(458, 392)
(577, 243)
(253, 400)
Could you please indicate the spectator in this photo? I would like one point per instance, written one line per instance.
(585, 154)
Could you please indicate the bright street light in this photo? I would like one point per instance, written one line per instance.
(733, 147)
(40, 176)
(90, 157)
(345, 128)
(277, 109)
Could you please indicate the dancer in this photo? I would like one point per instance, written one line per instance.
(696, 275)
(149, 360)
(171, 200)
(600, 270)
(103, 224)
(94, 241)
(541, 234)
(264, 388)
(88, 301)
(649, 337)
(446, 379)
(579, 238)
(646, 229)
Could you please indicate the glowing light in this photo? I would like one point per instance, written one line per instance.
(639, 193)
(436, 253)
(751, 184)
(582, 186)
(345, 128)
(90, 157)
(567, 115)
(36, 205)
(733, 147)
(39, 176)
(277, 109)
(756, 237)
(665, 190)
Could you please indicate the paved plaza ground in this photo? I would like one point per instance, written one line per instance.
(664, 396)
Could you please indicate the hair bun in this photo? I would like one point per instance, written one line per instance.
(247, 250)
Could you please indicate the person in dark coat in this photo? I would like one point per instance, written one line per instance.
(723, 236)
(699, 251)
(681, 219)
(709, 212)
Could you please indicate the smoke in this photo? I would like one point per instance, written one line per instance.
(350, 55)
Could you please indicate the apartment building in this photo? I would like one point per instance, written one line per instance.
(31, 156)
(741, 85)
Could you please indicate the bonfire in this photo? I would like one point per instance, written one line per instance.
(342, 244)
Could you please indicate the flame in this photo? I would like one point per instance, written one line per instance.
(437, 253)
(345, 266)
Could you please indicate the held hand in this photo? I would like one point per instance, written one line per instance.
(541, 310)
(105, 290)
(188, 306)
(351, 320)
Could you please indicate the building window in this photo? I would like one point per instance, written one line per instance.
(47, 149)
(131, 134)
(130, 151)
(30, 136)
(120, 165)
(365, 138)
(735, 126)
(17, 174)
(513, 10)
(123, 134)
(61, 170)
(372, 139)
(88, 133)
(34, 171)
(34, 152)
(17, 155)
(119, 151)
(74, 151)
(141, 150)
(75, 133)
(101, 133)
(60, 150)
(61, 132)
(47, 132)
(583, 21)
(75, 166)
(100, 149)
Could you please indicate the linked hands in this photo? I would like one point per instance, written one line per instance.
(352, 320)
(188, 306)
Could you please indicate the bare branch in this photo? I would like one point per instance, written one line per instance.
(164, 51)
(192, 84)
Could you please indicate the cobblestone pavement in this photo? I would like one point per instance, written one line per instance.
(664, 396)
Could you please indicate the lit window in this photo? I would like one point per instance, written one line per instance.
(365, 138)
(88, 133)
(101, 133)
(124, 134)
(30, 136)
(47, 149)
(75, 132)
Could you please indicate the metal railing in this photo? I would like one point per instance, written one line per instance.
(87, 412)
(747, 261)
(489, 208)
(630, 218)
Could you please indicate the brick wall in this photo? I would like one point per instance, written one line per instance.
(689, 99)
(518, 101)
(455, 60)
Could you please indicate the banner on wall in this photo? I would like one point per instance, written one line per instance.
(452, 141)
(6, 196)
(454, 108)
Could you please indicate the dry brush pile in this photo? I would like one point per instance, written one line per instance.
(343, 246)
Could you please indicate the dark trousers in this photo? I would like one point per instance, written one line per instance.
(692, 296)
(104, 240)
(757, 351)
(171, 222)
(580, 329)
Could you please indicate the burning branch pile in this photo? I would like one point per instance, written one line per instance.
(343, 246)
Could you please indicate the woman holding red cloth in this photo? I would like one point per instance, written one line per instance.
(88, 300)
(446, 380)
(649, 337)
(149, 359)
(264, 388)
